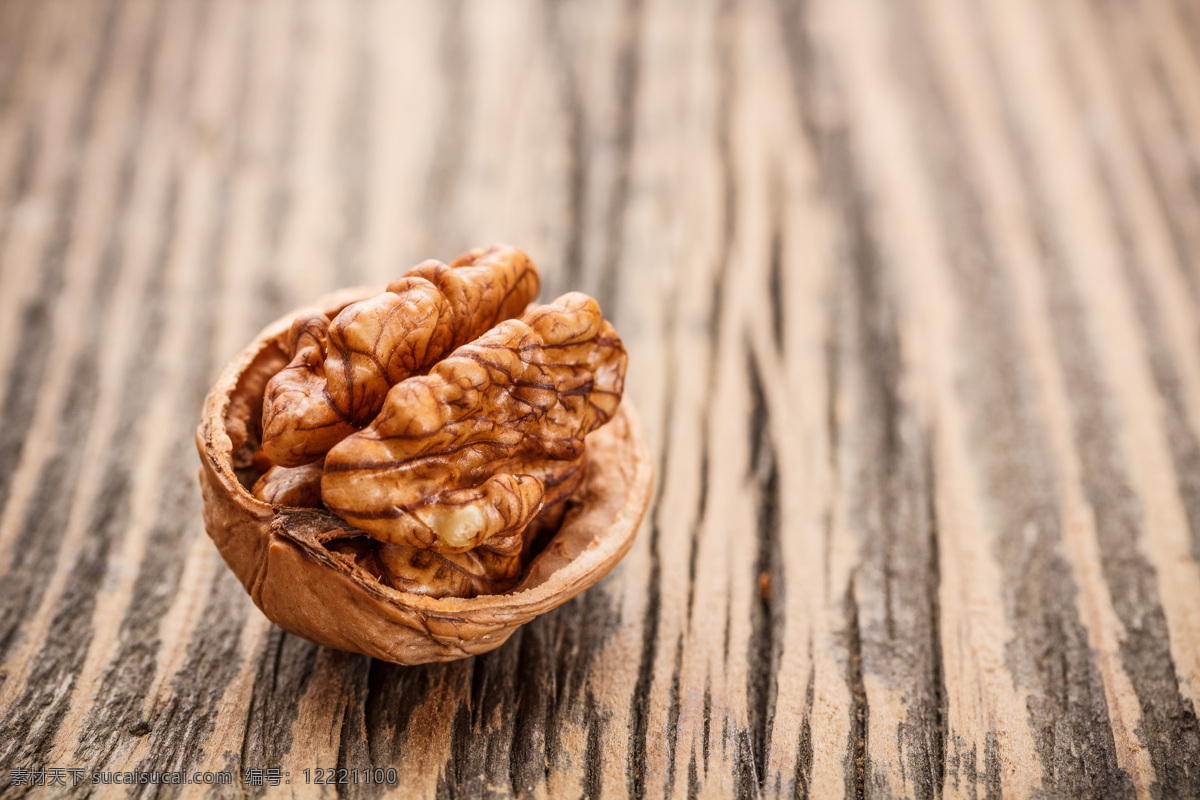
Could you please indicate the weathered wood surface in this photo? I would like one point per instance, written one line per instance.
(912, 293)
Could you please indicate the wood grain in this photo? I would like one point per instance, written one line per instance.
(912, 300)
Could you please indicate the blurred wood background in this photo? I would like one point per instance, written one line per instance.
(912, 293)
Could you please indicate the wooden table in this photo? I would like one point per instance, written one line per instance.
(912, 296)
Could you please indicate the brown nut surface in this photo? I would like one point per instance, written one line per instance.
(316, 575)
(474, 449)
(341, 370)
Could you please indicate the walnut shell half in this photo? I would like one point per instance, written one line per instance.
(298, 564)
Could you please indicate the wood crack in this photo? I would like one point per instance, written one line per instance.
(767, 584)
(856, 757)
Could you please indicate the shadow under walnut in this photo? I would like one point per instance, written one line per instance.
(292, 563)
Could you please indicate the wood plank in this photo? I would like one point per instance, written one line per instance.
(910, 296)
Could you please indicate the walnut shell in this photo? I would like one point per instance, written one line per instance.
(281, 554)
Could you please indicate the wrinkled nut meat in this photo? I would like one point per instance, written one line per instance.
(341, 370)
(415, 473)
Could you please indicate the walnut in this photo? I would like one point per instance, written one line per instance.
(341, 371)
(299, 487)
(420, 480)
